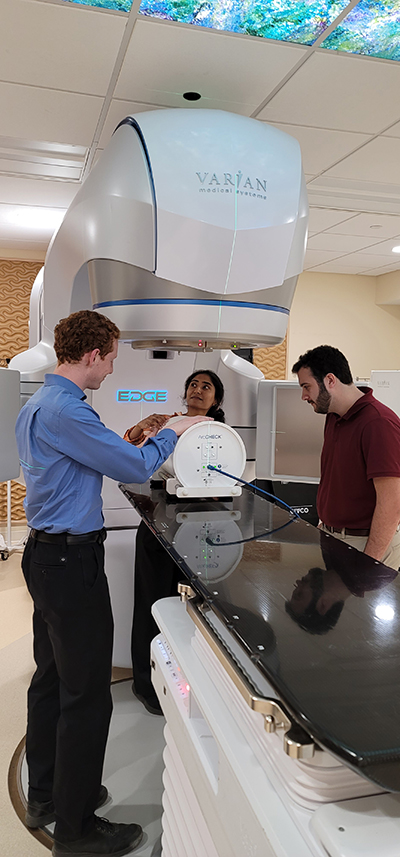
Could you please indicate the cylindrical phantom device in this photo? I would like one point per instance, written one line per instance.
(201, 445)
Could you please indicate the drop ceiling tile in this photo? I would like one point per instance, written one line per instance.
(341, 243)
(384, 248)
(394, 131)
(339, 92)
(321, 148)
(118, 111)
(67, 47)
(386, 269)
(318, 257)
(377, 161)
(163, 61)
(363, 261)
(364, 224)
(59, 117)
(335, 268)
(323, 218)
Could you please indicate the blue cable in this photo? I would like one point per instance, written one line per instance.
(255, 488)
(255, 538)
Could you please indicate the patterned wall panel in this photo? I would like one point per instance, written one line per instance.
(16, 281)
(272, 361)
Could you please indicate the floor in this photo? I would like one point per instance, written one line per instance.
(133, 764)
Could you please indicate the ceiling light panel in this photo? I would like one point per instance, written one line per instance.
(371, 28)
(302, 22)
(117, 5)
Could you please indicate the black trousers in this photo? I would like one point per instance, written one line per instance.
(69, 699)
(156, 576)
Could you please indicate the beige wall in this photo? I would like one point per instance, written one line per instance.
(340, 310)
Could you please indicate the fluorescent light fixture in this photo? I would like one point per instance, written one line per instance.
(35, 218)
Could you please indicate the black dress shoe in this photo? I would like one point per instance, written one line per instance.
(41, 813)
(106, 838)
(150, 703)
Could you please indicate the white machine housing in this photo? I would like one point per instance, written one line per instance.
(203, 444)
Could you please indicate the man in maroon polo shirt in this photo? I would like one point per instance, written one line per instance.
(359, 492)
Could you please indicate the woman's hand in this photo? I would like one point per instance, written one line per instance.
(180, 424)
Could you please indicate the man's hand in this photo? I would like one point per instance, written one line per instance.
(386, 516)
(151, 424)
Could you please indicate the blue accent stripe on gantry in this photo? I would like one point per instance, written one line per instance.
(192, 302)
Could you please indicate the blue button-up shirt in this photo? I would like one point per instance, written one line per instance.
(65, 450)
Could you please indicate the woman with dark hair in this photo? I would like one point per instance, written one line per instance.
(197, 386)
(203, 396)
(156, 573)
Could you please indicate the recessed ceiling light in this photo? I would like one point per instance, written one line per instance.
(192, 96)
(396, 249)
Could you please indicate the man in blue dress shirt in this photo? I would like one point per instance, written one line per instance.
(65, 450)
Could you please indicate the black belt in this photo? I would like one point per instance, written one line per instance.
(98, 536)
(346, 531)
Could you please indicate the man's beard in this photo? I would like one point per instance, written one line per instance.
(323, 401)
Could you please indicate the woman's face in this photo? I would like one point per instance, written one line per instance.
(200, 395)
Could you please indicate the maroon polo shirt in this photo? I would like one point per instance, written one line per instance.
(361, 445)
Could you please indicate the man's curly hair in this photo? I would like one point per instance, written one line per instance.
(82, 332)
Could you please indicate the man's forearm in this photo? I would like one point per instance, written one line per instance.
(386, 516)
(379, 540)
